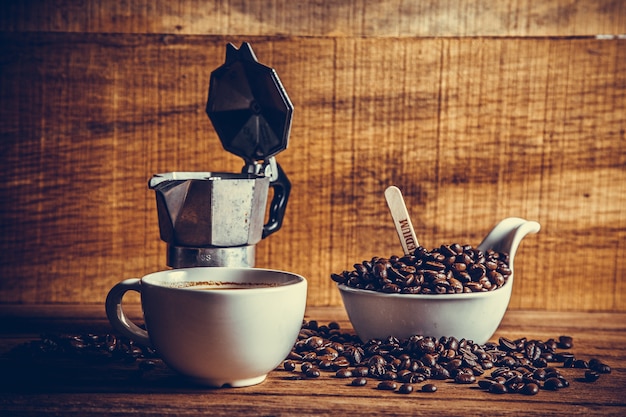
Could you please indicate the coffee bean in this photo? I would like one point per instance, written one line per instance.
(540, 374)
(312, 373)
(599, 367)
(343, 373)
(405, 389)
(341, 362)
(581, 364)
(289, 365)
(569, 362)
(465, 378)
(566, 342)
(146, 365)
(359, 382)
(553, 384)
(360, 371)
(530, 389)
(591, 376)
(563, 356)
(485, 383)
(497, 389)
(389, 376)
(387, 385)
(429, 388)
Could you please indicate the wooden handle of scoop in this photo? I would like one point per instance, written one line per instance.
(401, 219)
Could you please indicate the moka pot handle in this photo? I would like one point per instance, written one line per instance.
(278, 206)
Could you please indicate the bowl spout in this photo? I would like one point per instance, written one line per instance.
(507, 235)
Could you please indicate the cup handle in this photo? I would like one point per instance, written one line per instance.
(282, 188)
(118, 319)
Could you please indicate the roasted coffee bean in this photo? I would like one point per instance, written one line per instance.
(389, 376)
(532, 351)
(563, 356)
(497, 389)
(405, 389)
(553, 384)
(341, 362)
(404, 375)
(289, 365)
(598, 366)
(305, 366)
(417, 377)
(465, 378)
(387, 385)
(569, 362)
(312, 372)
(314, 342)
(515, 379)
(360, 371)
(429, 388)
(508, 361)
(515, 387)
(591, 376)
(580, 364)
(566, 342)
(146, 365)
(439, 372)
(343, 373)
(326, 364)
(540, 374)
(485, 383)
(530, 389)
(359, 382)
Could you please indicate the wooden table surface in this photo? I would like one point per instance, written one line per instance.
(39, 385)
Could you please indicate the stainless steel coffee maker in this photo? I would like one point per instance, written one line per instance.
(217, 218)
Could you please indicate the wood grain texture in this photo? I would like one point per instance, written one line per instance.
(66, 386)
(472, 130)
(320, 18)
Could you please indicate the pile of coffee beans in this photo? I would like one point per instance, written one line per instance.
(449, 269)
(522, 366)
(100, 348)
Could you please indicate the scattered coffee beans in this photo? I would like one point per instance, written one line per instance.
(523, 366)
(89, 346)
(448, 269)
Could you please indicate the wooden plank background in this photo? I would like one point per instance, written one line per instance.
(475, 120)
(389, 18)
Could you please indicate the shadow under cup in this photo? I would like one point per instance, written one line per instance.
(217, 325)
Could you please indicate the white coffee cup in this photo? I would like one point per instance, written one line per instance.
(216, 325)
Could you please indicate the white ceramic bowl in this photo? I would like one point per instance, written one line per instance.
(219, 337)
(473, 316)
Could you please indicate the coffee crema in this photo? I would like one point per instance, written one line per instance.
(221, 285)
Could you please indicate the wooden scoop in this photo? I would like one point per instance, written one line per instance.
(401, 219)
